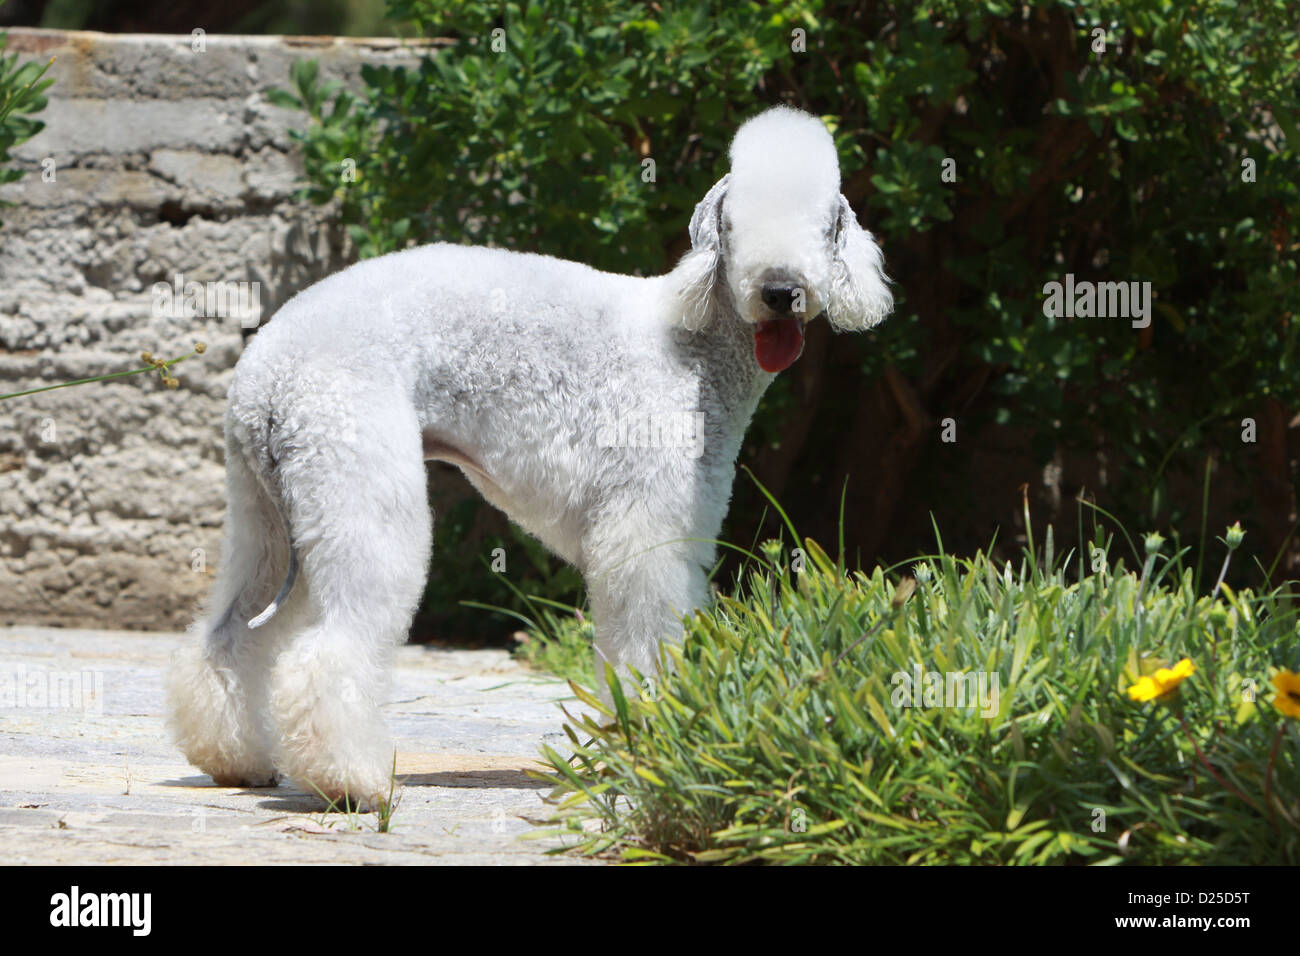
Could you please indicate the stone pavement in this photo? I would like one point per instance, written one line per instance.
(95, 779)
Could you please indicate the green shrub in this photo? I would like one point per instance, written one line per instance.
(1124, 164)
(785, 733)
(21, 87)
(559, 641)
(541, 145)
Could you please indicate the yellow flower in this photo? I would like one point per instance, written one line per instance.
(1163, 682)
(1288, 693)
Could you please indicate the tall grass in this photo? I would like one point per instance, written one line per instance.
(784, 733)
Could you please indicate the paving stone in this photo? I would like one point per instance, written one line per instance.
(95, 779)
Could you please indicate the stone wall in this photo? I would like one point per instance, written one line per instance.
(165, 161)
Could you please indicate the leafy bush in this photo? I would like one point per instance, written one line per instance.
(553, 118)
(785, 733)
(532, 125)
(21, 87)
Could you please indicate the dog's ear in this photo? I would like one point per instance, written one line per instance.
(695, 280)
(706, 221)
(859, 294)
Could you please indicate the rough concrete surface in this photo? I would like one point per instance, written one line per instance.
(160, 158)
(88, 775)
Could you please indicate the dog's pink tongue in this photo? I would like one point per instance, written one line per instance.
(777, 343)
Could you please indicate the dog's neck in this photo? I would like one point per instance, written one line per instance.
(714, 341)
(722, 355)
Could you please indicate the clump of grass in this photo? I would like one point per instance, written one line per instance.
(559, 642)
(345, 805)
(787, 732)
(557, 637)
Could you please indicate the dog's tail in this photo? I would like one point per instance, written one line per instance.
(289, 580)
(250, 456)
(264, 469)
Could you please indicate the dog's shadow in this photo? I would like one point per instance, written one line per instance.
(287, 798)
(502, 779)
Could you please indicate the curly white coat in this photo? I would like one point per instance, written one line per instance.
(545, 381)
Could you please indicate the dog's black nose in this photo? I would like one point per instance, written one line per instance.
(779, 296)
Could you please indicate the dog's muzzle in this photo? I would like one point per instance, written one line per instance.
(780, 296)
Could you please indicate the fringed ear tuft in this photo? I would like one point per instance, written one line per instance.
(859, 294)
(695, 281)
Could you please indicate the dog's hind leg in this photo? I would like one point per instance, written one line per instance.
(217, 686)
(359, 514)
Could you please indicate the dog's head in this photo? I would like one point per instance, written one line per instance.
(777, 239)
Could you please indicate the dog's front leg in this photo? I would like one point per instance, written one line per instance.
(638, 599)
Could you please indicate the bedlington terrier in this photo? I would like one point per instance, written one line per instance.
(603, 413)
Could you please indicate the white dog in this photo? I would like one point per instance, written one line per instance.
(548, 384)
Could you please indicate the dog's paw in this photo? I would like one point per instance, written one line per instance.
(353, 796)
(252, 781)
